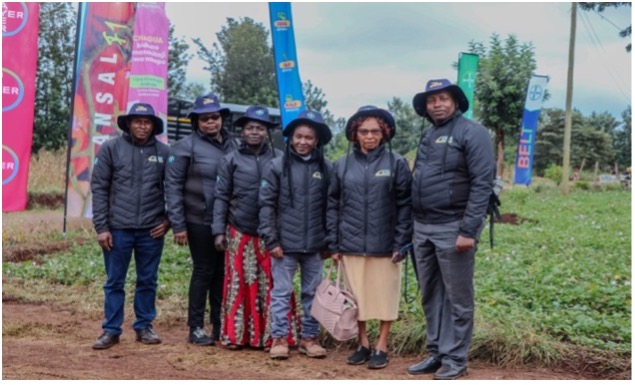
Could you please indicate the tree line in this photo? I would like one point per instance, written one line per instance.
(241, 70)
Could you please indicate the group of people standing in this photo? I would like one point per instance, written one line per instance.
(251, 214)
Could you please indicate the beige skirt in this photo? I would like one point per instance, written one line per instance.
(376, 285)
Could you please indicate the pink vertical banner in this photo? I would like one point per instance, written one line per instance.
(149, 68)
(20, 22)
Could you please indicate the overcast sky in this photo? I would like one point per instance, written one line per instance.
(366, 53)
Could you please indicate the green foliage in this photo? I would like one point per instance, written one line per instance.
(315, 99)
(589, 142)
(54, 79)
(242, 66)
(622, 140)
(178, 58)
(554, 172)
(409, 126)
(504, 71)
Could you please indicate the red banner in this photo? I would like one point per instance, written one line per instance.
(101, 86)
(19, 64)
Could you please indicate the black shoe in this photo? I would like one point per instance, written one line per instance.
(378, 360)
(448, 372)
(105, 341)
(148, 336)
(361, 355)
(198, 337)
(429, 365)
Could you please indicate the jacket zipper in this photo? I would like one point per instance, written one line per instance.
(365, 205)
(306, 206)
(140, 188)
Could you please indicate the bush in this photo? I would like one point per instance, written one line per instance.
(582, 185)
(554, 173)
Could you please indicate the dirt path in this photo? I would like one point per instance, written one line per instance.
(49, 342)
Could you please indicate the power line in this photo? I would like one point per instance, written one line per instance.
(613, 24)
(598, 45)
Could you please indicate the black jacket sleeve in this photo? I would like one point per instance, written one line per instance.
(333, 210)
(402, 186)
(223, 194)
(100, 185)
(268, 202)
(479, 156)
(176, 171)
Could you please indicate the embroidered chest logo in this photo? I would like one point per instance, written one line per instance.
(153, 159)
(383, 172)
(317, 175)
(444, 139)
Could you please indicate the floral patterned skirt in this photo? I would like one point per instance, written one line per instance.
(246, 318)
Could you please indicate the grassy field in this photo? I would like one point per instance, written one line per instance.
(555, 290)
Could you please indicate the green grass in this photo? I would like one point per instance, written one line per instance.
(555, 288)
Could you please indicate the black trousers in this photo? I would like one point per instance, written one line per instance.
(207, 278)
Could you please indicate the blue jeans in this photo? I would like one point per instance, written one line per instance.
(147, 251)
(283, 270)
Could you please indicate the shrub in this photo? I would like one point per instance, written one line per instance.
(554, 173)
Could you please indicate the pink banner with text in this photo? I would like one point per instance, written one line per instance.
(149, 64)
(19, 64)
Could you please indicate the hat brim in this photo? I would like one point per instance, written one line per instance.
(323, 131)
(208, 110)
(378, 113)
(240, 122)
(122, 123)
(419, 101)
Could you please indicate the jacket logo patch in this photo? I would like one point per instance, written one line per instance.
(317, 175)
(443, 139)
(96, 160)
(384, 172)
(153, 159)
(171, 159)
(263, 183)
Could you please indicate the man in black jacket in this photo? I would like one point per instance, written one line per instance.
(129, 214)
(452, 183)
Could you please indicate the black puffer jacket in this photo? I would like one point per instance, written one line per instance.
(365, 215)
(237, 189)
(191, 178)
(127, 184)
(460, 187)
(299, 227)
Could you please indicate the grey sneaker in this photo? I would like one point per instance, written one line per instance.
(312, 348)
(198, 337)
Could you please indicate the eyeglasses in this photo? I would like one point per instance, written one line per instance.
(207, 118)
(373, 132)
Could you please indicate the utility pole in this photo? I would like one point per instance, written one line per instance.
(566, 152)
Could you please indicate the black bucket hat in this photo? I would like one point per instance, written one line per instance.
(259, 114)
(141, 109)
(207, 104)
(371, 111)
(312, 119)
(437, 85)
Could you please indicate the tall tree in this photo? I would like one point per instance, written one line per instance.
(600, 7)
(241, 64)
(315, 99)
(501, 85)
(622, 140)
(178, 60)
(588, 144)
(604, 122)
(409, 126)
(54, 79)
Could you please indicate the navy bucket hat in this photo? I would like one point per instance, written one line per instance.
(142, 110)
(312, 119)
(259, 114)
(207, 104)
(438, 85)
(374, 112)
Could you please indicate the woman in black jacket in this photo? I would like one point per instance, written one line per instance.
(245, 314)
(368, 222)
(190, 182)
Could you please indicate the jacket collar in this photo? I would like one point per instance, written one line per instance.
(449, 120)
(150, 142)
(374, 154)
